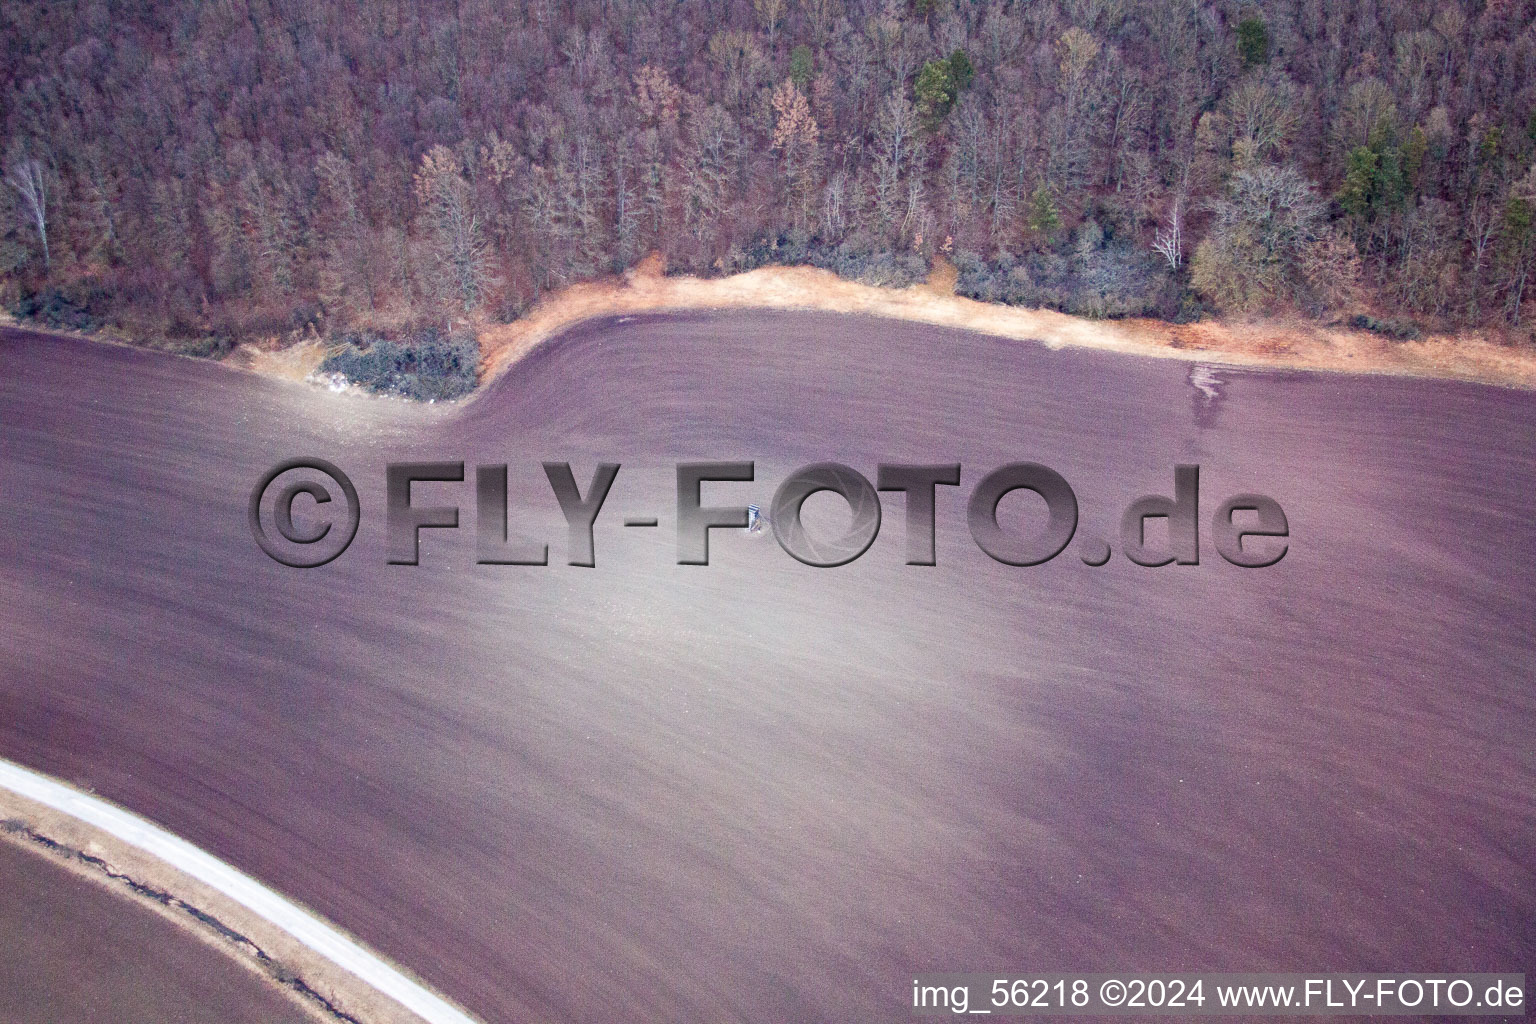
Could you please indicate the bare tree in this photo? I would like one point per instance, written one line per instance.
(265, 208)
(1072, 120)
(1518, 255)
(834, 213)
(1262, 226)
(626, 209)
(460, 259)
(820, 14)
(794, 137)
(1263, 112)
(769, 14)
(895, 140)
(1417, 55)
(1169, 240)
(1128, 108)
(1482, 228)
(1330, 267)
(743, 64)
(706, 171)
(346, 281)
(1368, 107)
(1450, 22)
(30, 181)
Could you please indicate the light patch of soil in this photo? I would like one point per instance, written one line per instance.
(1273, 343)
(943, 277)
(296, 362)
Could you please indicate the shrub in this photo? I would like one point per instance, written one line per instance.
(89, 306)
(1396, 329)
(430, 367)
(801, 65)
(1097, 275)
(52, 307)
(210, 346)
(874, 267)
(1253, 41)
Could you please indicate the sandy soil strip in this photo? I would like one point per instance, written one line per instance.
(296, 362)
(1299, 345)
(334, 966)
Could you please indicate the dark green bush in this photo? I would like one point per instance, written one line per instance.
(1396, 329)
(208, 346)
(429, 367)
(1253, 41)
(52, 307)
(88, 306)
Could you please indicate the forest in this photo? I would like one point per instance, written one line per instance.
(207, 172)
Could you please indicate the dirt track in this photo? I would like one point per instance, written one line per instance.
(759, 791)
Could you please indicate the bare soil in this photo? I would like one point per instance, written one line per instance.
(757, 791)
(69, 947)
(100, 886)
